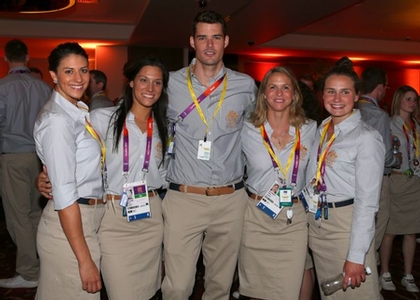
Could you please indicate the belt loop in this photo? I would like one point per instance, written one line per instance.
(113, 205)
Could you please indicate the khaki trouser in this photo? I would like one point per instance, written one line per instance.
(188, 218)
(382, 217)
(22, 208)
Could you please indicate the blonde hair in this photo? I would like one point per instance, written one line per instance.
(399, 95)
(297, 114)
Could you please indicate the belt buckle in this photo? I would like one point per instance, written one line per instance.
(207, 191)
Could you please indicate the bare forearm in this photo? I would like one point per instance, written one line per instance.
(71, 222)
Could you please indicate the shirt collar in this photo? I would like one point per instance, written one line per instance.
(370, 98)
(75, 112)
(346, 125)
(220, 74)
(19, 69)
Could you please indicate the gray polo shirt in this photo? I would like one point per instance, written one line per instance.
(22, 96)
(226, 164)
(379, 119)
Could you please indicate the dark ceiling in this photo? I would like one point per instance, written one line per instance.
(371, 29)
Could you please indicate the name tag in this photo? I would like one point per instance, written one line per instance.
(309, 199)
(138, 205)
(270, 202)
(204, 149)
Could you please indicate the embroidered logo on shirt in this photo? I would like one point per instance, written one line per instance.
(303, 152)
(331, 158)
(158, 152)
(232, 118)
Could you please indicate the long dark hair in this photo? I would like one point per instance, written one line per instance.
(131, 69)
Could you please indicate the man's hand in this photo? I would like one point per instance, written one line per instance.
(43, 184)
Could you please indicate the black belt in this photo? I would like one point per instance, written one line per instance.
(387, 175)
(208, 191)
(256, 197)
(340, 203)
(90, 201)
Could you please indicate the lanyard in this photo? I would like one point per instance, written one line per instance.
(196, 101)
(415, 139)
(366, 99)
(97, 137)
(320, 172)
(148, 153)
(101, 93)
(19, 71)
(276, 163)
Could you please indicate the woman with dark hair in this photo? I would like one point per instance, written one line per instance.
(405, 188)
(135, 139)
(68, 145)
(344, 180)
(135, 135)
(276, 142)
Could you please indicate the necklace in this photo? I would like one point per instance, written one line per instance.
(279, 139)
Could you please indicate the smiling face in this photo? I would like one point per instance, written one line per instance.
(72, 77)
(147, 87)
(339, 97)
(279, 92)
(408, 103)
(209, 43)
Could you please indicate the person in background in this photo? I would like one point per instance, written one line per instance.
(344, 178)
(74, 155)
(96, 90)
(404, 188)
(22, 96)
(308, 80)
(36, 72)
(205, 204)
(374, 84)
(276, 142)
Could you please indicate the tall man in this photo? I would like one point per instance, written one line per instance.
(374, 86)
(22, 96)
(205, 204)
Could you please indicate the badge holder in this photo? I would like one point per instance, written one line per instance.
(135, 201)
(309, 197)
(204, 148)
(270, 202)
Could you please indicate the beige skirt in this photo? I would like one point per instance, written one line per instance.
(273, 254)
(405, 205)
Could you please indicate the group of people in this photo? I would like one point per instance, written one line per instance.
(193, 132)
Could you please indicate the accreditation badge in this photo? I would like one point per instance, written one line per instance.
(137, 200)
(415, 166)
(309, 197)
(204, 148)
(270, 202)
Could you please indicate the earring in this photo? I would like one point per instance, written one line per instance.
(55, 81)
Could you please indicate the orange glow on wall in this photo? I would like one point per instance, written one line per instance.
(268, 55)
(257, 70)
(412, 78)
